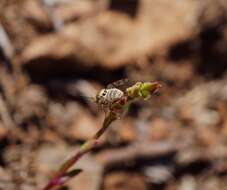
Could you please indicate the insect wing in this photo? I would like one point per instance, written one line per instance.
(122, 84)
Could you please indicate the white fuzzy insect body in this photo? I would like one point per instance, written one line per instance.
(108, 96)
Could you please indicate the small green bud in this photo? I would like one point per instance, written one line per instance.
(143, 90)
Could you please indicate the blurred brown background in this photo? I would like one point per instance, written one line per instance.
(53, 53)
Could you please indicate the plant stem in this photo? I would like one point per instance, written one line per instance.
(139, 90)
(86, 147)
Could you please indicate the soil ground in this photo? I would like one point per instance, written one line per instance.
(55, 53)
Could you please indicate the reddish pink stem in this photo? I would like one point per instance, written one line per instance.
(88, 146)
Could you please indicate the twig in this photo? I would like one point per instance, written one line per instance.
(109, 158)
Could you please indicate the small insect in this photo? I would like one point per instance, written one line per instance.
(113, 92)
(117, 96)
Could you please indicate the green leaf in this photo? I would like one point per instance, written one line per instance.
(73, 173)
